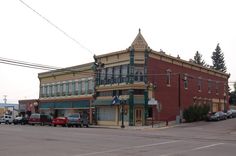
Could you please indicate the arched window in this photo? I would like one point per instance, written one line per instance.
(168, 77)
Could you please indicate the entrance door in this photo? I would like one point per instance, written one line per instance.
(138, 116)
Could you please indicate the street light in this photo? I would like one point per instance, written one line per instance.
(122, 102)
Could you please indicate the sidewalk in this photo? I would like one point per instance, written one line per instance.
(161, 125)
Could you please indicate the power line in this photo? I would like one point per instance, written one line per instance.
(87, 73)
(26, 64)
(57, 27)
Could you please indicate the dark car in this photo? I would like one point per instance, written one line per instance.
(231, 113)
(74, 120)
(20, 120)
(60, 121)
(216, 116)
(41, 119)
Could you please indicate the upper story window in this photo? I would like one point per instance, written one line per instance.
(83, 87)
(199, 84)
(109, 75)
(64, 87)
(76, 86)
(185, 79)
(43, 90)
(124, 73)
(225, 89)
(138, 73)
(53, 90)
(70, 87)
(48, 90)
(217, 87)
(209, 86)
(103, 76)
(116, 74)
(58, 89)
(90, 86)
(168, 77)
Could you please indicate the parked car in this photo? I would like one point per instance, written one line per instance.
(60, 121)
(7, 119)
(20, 120)
(74, 120)
(216, 116)
(41, 119)
(231, 113)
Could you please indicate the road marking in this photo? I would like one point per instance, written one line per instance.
(194, 149)
(125, 148)
(208, 146)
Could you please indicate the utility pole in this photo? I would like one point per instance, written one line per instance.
(5, 99)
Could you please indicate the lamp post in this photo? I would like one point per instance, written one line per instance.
(122, 102)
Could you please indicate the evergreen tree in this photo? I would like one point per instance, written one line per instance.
(235, 87)
(198, 59)
(218, 59)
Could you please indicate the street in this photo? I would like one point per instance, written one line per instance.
(193, 139)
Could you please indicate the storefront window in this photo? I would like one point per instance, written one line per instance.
(106, 113)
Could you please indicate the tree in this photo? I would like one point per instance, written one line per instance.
(198, 59)
(218, 59)
(235, 87)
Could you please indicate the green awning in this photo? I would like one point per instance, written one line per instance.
(64, 104)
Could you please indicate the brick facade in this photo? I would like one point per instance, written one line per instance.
(168, 94)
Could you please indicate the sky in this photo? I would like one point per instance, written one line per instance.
(178, 27)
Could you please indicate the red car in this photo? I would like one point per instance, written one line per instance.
(41, 119)
(60, 121)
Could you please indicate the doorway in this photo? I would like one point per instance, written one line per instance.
(138, 116)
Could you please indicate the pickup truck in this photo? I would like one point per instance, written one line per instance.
(7, 119)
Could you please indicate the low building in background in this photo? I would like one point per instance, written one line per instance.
(28, 107)
(9, 109)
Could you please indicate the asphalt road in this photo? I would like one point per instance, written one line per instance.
(202, 138)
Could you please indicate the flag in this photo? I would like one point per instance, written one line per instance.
(115, 100)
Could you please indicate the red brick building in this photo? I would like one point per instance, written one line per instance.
(179, 84)
(153, 85)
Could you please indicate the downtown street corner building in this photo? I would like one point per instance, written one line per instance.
(152, 86)
(137, 85)
(66, 91)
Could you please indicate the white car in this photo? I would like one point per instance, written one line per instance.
(7, 119)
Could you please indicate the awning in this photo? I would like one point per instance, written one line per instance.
(106, 102)
(64, 104)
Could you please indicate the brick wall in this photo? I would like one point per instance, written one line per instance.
(168, 95)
